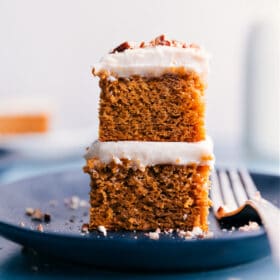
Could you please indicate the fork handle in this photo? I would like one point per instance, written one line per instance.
(270, 217)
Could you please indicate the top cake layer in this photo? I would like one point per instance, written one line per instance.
(153, 59)
(153, 92)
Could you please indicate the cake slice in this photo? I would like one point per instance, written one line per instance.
(150, 166)
(152, 92)
(24, 115)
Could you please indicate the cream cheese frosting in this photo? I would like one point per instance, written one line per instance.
(153, 61)
(16, 106)
(144, 154)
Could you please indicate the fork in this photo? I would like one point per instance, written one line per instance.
(236, 200)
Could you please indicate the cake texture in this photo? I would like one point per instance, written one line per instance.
(150, 167)
(160, 196)
(153, 108)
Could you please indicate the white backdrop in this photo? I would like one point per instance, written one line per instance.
(47, 49)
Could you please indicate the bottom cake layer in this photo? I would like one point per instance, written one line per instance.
(123, 197)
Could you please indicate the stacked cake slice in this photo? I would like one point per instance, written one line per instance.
(150, 167)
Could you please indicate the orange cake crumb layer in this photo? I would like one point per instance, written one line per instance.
(23, 124)
(170, 107)
(161, 196)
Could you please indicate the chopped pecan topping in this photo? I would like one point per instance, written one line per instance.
(122, 47)
(158, 41)
(161, 41)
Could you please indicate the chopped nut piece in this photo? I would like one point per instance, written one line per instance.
(29, 211)
(85, 228)
(122, 47)
(158, 41)
(47, 217)
(37, 215)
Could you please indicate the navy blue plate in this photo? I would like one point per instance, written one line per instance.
(118, 250)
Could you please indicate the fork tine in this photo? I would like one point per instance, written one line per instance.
(215, 191)
(248, 183)
(229, 199)
(238, 187)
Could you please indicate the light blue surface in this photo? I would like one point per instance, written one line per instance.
(15, 265)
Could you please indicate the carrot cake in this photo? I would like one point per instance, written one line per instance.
(150, 166)
(23, 115)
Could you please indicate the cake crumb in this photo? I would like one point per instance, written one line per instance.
(22, 224)
(102, 229)
(74, 202)
(181, 233)
(250, 227)
(188, 235)
(169, 231)
(84, 203)
(40, 228)
(153, 235)
(197, 232)
(158, 230)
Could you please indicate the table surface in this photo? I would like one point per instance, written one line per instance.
(18, 264)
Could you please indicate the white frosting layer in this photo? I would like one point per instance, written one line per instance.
(152, 153)
(153, 61)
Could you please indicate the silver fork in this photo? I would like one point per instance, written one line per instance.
(236, 198)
